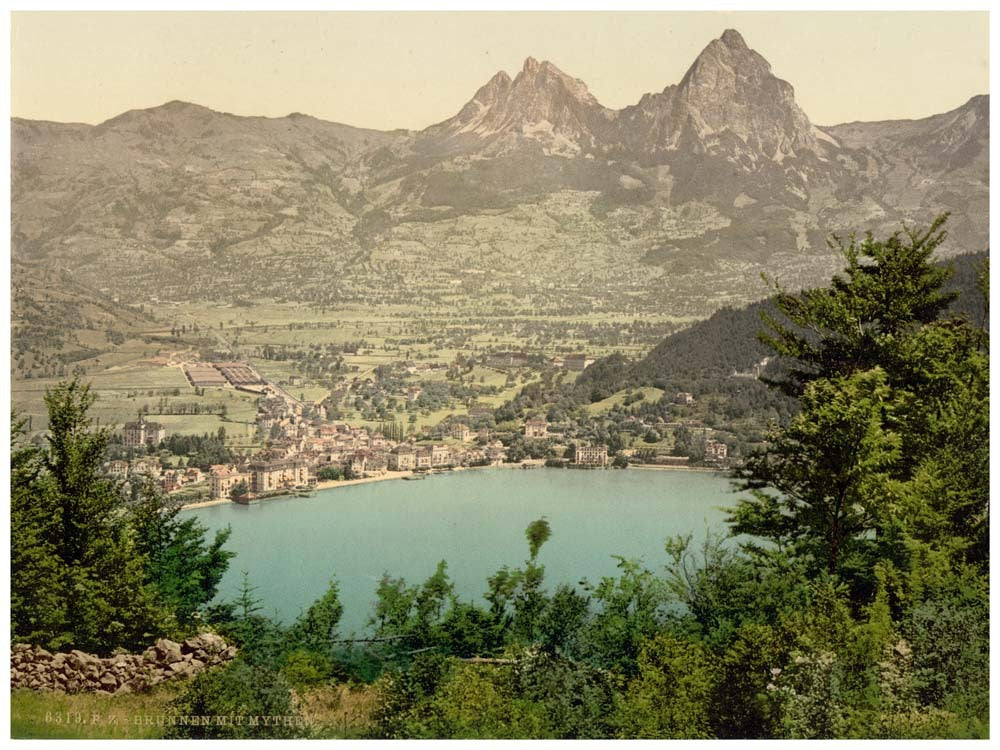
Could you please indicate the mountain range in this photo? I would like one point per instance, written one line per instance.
(533, 189)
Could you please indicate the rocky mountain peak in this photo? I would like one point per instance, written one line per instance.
(541, 102)
(733, 39)
(730, 87)
(545, 78)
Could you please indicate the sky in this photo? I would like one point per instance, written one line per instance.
(390, 70)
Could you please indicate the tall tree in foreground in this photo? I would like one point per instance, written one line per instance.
(89, 571)
(106, 602)
(875, 461)
(181, 566)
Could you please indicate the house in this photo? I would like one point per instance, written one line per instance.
(495, 452)
(149, 467)
(170, 481)
(684, 398)
(715, 451)
(413, 393)
(118, 469)
(424, 458)
(577, 362)
(222, 479)
(268, 476)
(460, 431)
(402, 458)
(440, 455)
(142, 433)
(536, 428)
(591, 455)
(358, 463)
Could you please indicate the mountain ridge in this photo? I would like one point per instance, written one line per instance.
(670, 203)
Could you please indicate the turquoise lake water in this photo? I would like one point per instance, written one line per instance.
(475, 520)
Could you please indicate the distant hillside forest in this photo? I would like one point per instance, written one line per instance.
(849, 600)
(703, 358)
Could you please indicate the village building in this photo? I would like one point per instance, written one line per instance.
(715, 450)
(440, 455)
(222, 479)
(204, 376)
(495, 453)
(684, 398)
(118, 469)
(149, 467)
(142, 433)
(424, 458)
(577, 362)
(536, 428)
(402, 458)
(170, 482)
(269, 476)
(358, 463)
(591, 455)
(460, 431)
(238, 373)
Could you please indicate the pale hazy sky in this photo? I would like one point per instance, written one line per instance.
(408, 70)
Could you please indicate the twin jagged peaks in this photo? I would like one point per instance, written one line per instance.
(728, 88)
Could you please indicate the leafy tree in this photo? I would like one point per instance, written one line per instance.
(239, 491)
(671, 696)
(831, 469)
(316, 628)
(37, 609)
(631, 608)
(80, 521)
(887, 287)
(181, 565)
(537, 533)
(875, 457)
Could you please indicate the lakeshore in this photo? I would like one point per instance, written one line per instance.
(390, 475)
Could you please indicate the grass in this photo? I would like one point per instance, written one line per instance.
(88, 716)
(617, 399)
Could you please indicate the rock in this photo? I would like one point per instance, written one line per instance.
(19, 647)
(197, 664)
(109, 681)
(125, 687)
(228, 654)
(58, 660)
(42, 655)
(179, 666)
(72, 685)
(168, 651)
(209, 642)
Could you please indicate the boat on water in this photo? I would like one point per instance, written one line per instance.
(413, 477)
(304, 491)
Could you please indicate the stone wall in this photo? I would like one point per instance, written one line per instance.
(77, 672)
